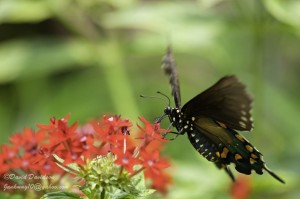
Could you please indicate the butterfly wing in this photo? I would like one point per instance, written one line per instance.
(226, 101)
(224, 146)
(169, 67)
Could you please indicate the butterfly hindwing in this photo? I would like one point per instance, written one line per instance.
(224, 146)
(226, 101)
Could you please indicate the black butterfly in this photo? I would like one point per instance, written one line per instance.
(210, 120)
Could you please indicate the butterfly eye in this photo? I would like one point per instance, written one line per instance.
(168, 110)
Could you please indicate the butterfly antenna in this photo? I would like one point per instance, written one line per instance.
(156, 97)
(169, 101)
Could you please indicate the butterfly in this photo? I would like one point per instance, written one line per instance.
(211, 120)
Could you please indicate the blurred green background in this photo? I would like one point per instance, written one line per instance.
(91, 57)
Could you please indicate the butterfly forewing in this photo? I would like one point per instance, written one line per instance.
(226, 101)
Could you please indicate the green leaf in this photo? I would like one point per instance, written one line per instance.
(284, 10)
(138, 181)
(58, 158)
(139, 186)
(174, 21)
(61, 195)
(42, 56)
(119, 194)
(72, 166)
(23, 11)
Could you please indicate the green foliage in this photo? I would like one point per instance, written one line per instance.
(61, 195)
(90, 57)
(104, 180)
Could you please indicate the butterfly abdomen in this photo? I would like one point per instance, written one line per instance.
(206, 148)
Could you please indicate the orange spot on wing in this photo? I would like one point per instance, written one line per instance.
(238, 157)
(239, 137)
(224, 153)
(253, 156)
(249, 148)
(252, 161)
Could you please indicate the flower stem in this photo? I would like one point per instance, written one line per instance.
(103, 194)
(66, 166)
(121, 171)
(137, 172)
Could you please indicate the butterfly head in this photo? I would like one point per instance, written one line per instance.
(176, 116)
(172, 112)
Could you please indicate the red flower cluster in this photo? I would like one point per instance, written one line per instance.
(144, 151)
(32, 151)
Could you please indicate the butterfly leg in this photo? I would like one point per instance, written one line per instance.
(227, 170)
(174, 138)
(181, 132)
(159, 119)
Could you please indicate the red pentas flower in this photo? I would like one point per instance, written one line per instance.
(154, 166)
(115, 125)
(114, 131)
(4, 166)
(22, 162)
(153, 162)
(241, 188)
(29, 140)
(126, 160)
(80, 150)
(160, 181)
(151, 132)
(9, 152)
(58, 130)
(44, 162)
(60, 124)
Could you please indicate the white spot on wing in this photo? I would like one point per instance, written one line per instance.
(244, 119)
(242, 124)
